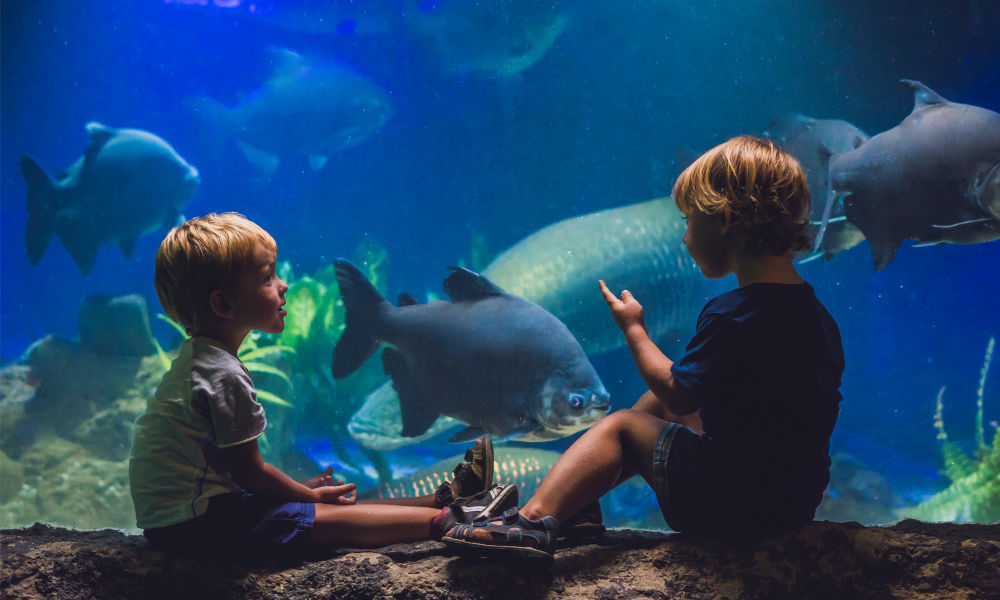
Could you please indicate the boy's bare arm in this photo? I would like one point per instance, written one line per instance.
(654, 367)
(253, 474)
(653, 364)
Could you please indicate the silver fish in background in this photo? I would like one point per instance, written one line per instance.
(524, 467)
(128, 182)
(813, 142)
(637, 247)
(486, 39)
(305, 107)
(934, 178)
(490, 359)
(378, 424)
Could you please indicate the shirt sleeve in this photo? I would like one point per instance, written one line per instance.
(232, 404)
(702, 370)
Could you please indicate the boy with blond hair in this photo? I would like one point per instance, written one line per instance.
(734, 436)
(197, 477)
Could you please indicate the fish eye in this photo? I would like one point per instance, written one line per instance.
(575, 400)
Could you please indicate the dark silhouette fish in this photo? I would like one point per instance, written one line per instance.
(637, 247)
(490, 359)
(812, 142)
(312, 108)
(127, 183)
(934, 178)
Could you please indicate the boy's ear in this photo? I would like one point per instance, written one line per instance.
(220, 304)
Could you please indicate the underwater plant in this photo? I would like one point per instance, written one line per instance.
(313, 325)
(974, 493)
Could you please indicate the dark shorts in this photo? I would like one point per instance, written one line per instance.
(676, 515)
(240, 523)
(747, 511)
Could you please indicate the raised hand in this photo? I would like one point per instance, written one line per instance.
(627, 311)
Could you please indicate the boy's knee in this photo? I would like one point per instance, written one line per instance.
(620, 420)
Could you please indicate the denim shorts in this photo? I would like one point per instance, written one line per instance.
(661, 482)
(240, 523)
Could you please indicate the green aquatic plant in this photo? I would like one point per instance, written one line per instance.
(313, 326)
(974, 493)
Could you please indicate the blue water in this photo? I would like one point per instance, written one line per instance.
(595, 123)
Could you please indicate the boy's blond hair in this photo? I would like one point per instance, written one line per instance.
(200, 256)
(755, 187)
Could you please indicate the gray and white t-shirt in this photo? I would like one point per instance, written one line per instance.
(205, 402)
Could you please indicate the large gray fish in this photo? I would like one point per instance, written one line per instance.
(311, 108)
(127, 183)
(934, 178)
(524, 467)
(637, 247)
(813, 142)
(494, 361)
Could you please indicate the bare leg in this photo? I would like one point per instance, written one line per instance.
(619, 444)
(648, 403)
(372, 525)
(424, 501)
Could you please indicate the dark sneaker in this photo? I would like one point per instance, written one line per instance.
(486, 505)
(510, 535)
(588, 522)
(472, 477)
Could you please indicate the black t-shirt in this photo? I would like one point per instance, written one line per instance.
(765, 363)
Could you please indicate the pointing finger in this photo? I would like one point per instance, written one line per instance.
(609, 297)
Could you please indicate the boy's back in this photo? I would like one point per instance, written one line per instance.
(766, 362)
(205, 402)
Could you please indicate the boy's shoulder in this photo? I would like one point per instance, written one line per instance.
(761, 298)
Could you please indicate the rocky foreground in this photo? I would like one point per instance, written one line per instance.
(822, 560)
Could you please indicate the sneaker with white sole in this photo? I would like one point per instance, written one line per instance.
(487, 504)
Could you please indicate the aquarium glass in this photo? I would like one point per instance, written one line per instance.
(524, 139)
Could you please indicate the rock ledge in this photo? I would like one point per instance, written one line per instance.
(822, 560)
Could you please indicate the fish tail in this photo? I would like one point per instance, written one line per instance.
(39, 227)
(363, 305)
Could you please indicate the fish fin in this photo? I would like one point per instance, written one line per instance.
(883, 251)
(128, 246)
(99, 134)
(81, 246)
(468, 434)
(362, 304)
(417, 415)
(212, 111)
(831, 199)
(406, 300)
(930, 243)
(780, 128)
(963, 223)
(923, 96)
(39, 228)
(464, 284)
(265, 162)
(317, 161)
